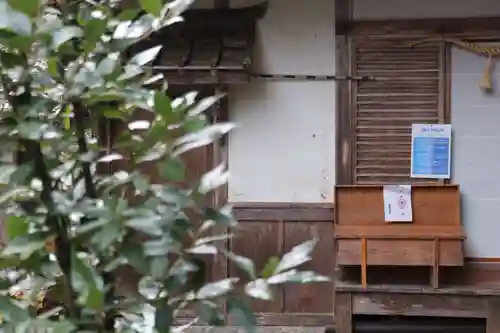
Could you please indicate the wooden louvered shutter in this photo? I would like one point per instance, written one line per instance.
(408, 89)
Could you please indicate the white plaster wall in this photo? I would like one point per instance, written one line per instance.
(476, 153)
(284, 149)
(401, 9)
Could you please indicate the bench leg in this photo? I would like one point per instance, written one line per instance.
(364, 262)
(343, 313)
(435, 265)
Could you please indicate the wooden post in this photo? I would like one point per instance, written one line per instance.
(364, 263)
(343, 118)
(435, 265)
(343, 313)
(493, 316)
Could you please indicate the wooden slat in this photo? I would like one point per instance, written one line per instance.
(398, 231)
(406, 91)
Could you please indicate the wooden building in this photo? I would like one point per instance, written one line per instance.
(345, 119)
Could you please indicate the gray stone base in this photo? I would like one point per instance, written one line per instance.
(262, 329)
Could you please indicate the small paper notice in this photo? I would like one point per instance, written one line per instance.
(397, 203)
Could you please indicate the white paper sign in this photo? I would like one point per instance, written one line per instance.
(397, 203)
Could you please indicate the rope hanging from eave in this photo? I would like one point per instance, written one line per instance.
(489, 51)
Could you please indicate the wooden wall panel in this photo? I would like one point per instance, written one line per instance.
(311, 298)
(273, 229)
(259, 241)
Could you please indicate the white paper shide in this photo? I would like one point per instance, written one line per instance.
(397, 203)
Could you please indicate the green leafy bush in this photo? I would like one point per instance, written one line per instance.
(71, 229)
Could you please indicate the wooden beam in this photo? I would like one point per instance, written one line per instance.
(424, 305)
(487, 27)
(221, 4)
(343, 17)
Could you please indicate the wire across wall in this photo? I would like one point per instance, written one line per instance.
(306, 77)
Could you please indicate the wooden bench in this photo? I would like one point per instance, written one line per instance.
(434, 237)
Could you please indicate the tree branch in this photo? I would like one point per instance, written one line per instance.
(79, 112)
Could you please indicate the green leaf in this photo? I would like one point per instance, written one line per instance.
(45, 325)
(108, 64)
(87, 283)
(244, 263)
(158, 247)
(144, 57)
(128, 14)
(14, 20)
(295, 276)
(108, 235)
(6, 172)
(241, 314)
(195, 124)
(28, 7)
(213, 239)
(12, 312)
(172, 168)
(147, 224)
(32, 130)
(159, 267)
(93, 31)
(22, 174)
(141, 183)
(113, 114)
(163, 105)
(53, 67)
(203, 105)
(258, 289)
(10, 60)
(25, 246)
(10, 262)
(201, 138)
(298, 255)
(21, 43)
(210, 313)
(202, 249)
(182, 267)
(153, 7)
(16, 226)
(213, 179)
(65, 34)
(154, 153)
(270, 267)
(148, 288)
(19, 193)
(216, 289)
(130, 71)
(223, 216)
(136, 258)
